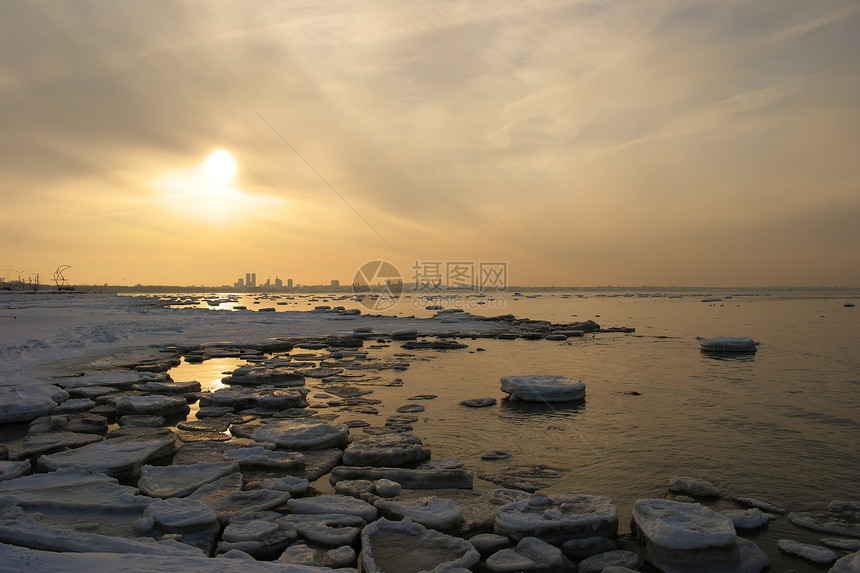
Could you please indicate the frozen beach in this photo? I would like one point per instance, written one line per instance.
(331, 419)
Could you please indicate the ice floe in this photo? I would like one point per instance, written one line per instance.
(543, 388)
(728, 344)
(432, 512)
(693, 486)
(840, 518)
(558, 517)
(328, 529)
(302, 434)
(806, 551)
(117, 457)
(614, 558)
(749, 518)
(403, 546)
(336, 504)
(530, 555)
(848, 564)
(22, 403)
(408, 478)
(301, 553)
(386, 450)
(179, 481)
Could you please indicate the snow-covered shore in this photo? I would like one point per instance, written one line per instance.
(46, 335)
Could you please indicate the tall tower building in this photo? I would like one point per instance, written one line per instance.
(253, 279)
(247, 279)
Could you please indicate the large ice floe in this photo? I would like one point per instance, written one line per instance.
(179, 481)
(558, 518)
(680, 537)
(840, 518)
(407, 547)
(530, 555)
(543, 388)
(432, 512)
(22, 403)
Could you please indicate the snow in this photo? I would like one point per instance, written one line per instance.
(338, 504)
(806, 551)
(117, 457)
(558, 518)
(406, 547)
(386, 450)
(432, 512)
(179, 481)
(530, 554)
(682, 526)
(693, 486)
(29, 561)
(543, 388)
(302, 434)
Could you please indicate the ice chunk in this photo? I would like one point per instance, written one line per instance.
(302, 434)
(331, 530)
(543, 388)
(112, 378)
(290, 484)
(673, 525)
(302, 554)
(848, 564)
(748, 519)
(407, 478)
(578, 549)
(693, 486)
(386, 450)
(193, 520)
(406, 547)
(22, 403)
(837, 543)
(18, 559)
(478, 402)
(806, 551)
(29, 529)
(558, 518)
(179, 481)
(154, 404)
(728, 344)
(117, 457)
(340, 504)
(214, 491)
(760, 504)
(258, 538)
(489, 543)
(530, 554)
(239, 502)
(386, 488)
(615, 558)
(840, 518)
(433, 512)
(262, 459)
(11, 470)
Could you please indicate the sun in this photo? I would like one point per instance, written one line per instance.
(220, 167)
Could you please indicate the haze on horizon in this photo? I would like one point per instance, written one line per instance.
(582, 143)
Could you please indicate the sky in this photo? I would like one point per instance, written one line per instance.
(580, 143)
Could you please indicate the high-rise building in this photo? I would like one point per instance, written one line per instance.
(248, 279)
(240, 282)
(335, 283)
(278, 282)
(289, 283)
(253, 280)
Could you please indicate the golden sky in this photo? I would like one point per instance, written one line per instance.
(665, 142)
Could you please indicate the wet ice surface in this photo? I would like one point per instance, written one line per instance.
(369, 384)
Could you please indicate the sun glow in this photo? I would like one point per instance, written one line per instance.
(220, 167)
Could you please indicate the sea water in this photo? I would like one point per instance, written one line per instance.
(782, 424)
